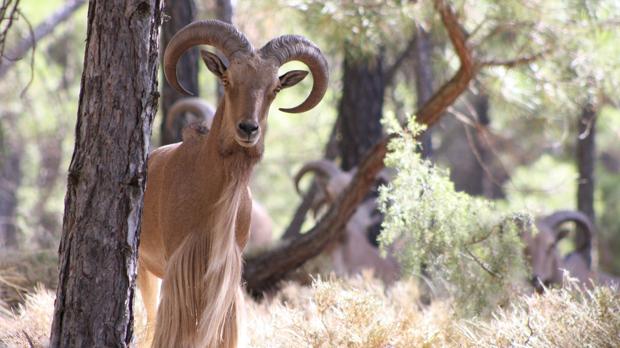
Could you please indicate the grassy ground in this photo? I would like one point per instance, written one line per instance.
(360, 312)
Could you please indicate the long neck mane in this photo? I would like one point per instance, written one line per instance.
(232, 163)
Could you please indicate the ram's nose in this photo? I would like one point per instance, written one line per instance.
(247, 128)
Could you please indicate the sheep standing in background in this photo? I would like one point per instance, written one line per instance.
(197, 204)
(354, 251)
(547, 264)
(199, 116)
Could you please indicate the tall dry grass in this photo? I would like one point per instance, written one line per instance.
(360, 312)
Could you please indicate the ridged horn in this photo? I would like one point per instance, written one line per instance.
(294, 47)
(196, 106)
(561, 216)
(322, 167)
(218, 34)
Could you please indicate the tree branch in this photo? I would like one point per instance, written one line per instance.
(42, 30)
(264, 271)
(511, 63)
(390, 72)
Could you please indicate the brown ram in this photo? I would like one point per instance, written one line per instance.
(197, 203)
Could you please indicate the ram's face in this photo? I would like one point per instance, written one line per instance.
(251, 83)
(250, 77)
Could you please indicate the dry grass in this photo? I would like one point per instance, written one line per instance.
(360, 312)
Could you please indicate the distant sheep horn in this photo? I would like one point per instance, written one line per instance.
(559, 217)
(322, 167)
(196, 106)
(293, 47)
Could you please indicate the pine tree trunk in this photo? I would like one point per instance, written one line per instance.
(360, 108)
(586, 155)
(177, 14)
(424, 82)
(107, 175)
(10, 179)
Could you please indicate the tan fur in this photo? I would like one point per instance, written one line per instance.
(200, 270)
(197, 204)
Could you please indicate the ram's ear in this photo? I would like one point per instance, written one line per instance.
(213, 63)
(292, 78)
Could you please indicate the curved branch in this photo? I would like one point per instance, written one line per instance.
(264, 271)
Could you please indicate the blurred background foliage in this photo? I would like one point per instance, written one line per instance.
(531, 109)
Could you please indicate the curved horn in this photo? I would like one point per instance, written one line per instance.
(196, 106)
(218, 34)
(294, 47)
(323, 167)
(555, 219)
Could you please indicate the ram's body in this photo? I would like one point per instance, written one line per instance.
(548, 266)
(197, 205)
(353, 252)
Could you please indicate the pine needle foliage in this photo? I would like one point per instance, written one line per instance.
(466, 245)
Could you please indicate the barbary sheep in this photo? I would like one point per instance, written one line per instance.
(546, 262)
(354, 251)
(197, 203)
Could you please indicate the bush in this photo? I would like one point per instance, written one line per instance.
(466, 245)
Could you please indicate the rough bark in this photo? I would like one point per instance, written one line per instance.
(424, 81)
(264, 271)
(107, 175)
(360, 107)
(223, 12)
(10, 179)
(586, 156)
(177, 14)
(42, 30)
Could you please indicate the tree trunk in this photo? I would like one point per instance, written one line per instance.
(177, 14)
(10, 179)
(586, 155)
(294, 228)
(361, 107)
(107, 175)
(42, 30)
(424, 82)
(50, 149)
(223, 12)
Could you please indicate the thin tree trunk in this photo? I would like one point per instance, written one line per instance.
(424, 81)
(41, 31)
(294, 228)
(361, 107)
(50, 149)
(107, 176)
(10, 179)
(586, 155)
(177, 14)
